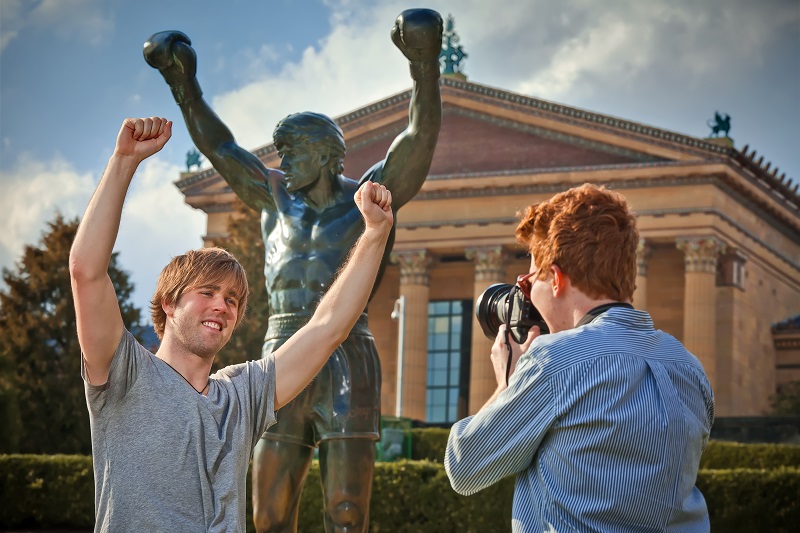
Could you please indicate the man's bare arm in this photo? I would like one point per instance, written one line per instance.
(96, 307)
(304, 354)
(172, 54)
(418, 34)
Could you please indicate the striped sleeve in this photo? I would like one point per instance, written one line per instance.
(503, 437)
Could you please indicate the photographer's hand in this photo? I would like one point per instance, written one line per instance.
(500, 357)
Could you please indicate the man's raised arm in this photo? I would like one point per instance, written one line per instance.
(303, 355)
(96, 306)
(418, 34)
(172, 54)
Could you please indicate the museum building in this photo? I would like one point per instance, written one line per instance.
(719, 255)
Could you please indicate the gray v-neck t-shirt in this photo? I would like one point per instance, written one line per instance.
(167, 458)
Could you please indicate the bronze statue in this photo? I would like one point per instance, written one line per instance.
(310, 221)
(721, 124)
(192, 160)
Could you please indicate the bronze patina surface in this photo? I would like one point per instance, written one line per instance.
(309, 224)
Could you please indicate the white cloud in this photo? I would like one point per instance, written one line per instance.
(566, 51)
(33, 192)
(248, 64)
(569, 50)
(355, 64)
(85, 20)
(11, 21)
(156, 224)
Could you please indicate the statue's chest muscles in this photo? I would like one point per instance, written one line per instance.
(301, 241)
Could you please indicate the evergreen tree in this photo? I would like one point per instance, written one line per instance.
(244, 241)
(39, 351)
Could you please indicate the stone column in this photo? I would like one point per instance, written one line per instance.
(643, 253)
(489, 270)
(700, 302)
(414, 267)
(735, 391)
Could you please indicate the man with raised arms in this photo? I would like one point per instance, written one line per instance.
(170, 444)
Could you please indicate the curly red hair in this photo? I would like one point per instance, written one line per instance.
(590, 233)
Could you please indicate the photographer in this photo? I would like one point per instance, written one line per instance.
(604, 420)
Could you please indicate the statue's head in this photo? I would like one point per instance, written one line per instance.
(313, 132)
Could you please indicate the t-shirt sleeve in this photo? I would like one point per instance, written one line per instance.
(122, 373)
(253, 385)
(265, 397)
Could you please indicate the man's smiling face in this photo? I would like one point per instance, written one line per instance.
(204, 318)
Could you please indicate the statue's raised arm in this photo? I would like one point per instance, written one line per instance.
(172, 54)
(418, 34)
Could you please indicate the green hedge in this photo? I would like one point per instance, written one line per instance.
(410, 497)
(746, 500)
(40, 492)
(430, 443)
(57, 492)
(46, 491)
(720, 455)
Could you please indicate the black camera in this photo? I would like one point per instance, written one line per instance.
(506, 304)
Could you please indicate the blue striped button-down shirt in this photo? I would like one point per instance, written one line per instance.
(603, 424)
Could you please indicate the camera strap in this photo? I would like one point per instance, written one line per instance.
(599, 310)
(509, 299)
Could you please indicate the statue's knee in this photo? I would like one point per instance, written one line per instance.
(267, 520)
(261, 520)
(346, 515)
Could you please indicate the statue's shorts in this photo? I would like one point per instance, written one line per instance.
(342, 401)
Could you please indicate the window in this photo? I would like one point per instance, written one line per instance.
(449, 331)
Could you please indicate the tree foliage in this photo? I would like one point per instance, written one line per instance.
(245, 241)
(787, 400)
(40, 379)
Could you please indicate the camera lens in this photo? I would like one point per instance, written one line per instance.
(499, 304)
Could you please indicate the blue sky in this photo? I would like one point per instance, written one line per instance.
(72, 70)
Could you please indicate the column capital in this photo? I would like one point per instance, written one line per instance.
(701, 253)
(414, 266)
(489, 262)
(643, 252)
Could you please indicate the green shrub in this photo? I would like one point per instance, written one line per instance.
(429, 444)
(415, 496)
(46, 491)
(746, 500)
(40, 492)
(721, 455)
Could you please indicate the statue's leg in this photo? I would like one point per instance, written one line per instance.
(346, 467)
(282, 457)
(279, 470)
(349, 425)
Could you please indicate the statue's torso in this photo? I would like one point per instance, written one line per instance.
(304, 250)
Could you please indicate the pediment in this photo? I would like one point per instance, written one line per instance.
(487, 131)
(483, 130)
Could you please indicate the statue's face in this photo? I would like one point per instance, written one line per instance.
(301, 164)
